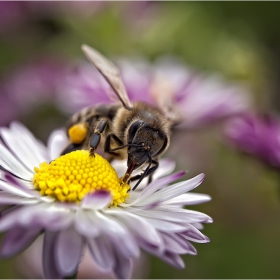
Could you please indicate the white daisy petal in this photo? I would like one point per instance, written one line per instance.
(116, 231)
(68, 257)
(56, 143)
(173, 191)
(11, 164)
(97, 200)
(8, 198)
(15, 190)
(166, 166)
(188, 199)
(173, 259)
(199, 226)
(16, 239)
(101, 252)
(166, 226)
(193, 234)
(39, 215)
(139, 226)
(37, 149)
(49, 263)
(172, 244)
(173, 214)
(85, 224)
(24, 153)
(123, 266)
(153, 187)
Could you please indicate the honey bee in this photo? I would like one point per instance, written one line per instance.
(137, 132)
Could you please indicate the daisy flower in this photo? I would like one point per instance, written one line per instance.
(200, 99)
(257, 135)
(76, 201)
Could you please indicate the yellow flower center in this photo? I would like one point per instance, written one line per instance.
(72, 176)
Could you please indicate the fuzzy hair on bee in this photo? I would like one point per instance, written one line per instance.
(138, 132)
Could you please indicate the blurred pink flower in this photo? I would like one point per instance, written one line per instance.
(30, 85)
(11, 14)
(14, 13)
(71, 87)
(258, 135)
(200, 99)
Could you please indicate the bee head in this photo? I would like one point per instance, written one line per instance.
(144, 143)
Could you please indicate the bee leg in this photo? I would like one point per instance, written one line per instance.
(96, 137)
(107, 146)
(70, 148)
(150, 179)
(148, 172)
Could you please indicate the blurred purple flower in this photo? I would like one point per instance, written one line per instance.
(258, 135)
(200, 100)
(59, 8)
(30, 85)
(11, 14)
(14, 13)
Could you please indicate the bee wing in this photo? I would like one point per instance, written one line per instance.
(162, 94)
(110, 72)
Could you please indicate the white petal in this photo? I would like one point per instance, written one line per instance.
(68, 251)
(8, 198)
(173, 191)
(44, 215)
(167, 226)
(154, 187)
(23, 151)
(173, 259)
(49, 263)
(39, 149)
(166, 166)
(11, 164)
(173, 214)
(116, 232)
(15, 190)
(56, 143)
(17, 239)
(188, 199)
(182, 242)
(122, 267)
(193, 234)
(85, 223)
(138, 225)
(101, 252)
(100, 199)
(174, 246)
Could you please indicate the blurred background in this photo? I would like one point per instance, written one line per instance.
(233, 42)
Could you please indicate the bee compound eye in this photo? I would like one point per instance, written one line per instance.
(133, 129)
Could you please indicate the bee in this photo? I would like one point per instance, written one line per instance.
(137, 132)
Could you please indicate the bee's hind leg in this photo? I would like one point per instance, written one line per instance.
(96, 137)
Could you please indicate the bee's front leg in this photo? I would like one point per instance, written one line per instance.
(107, 146)
(148, 172)
(96, 137)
